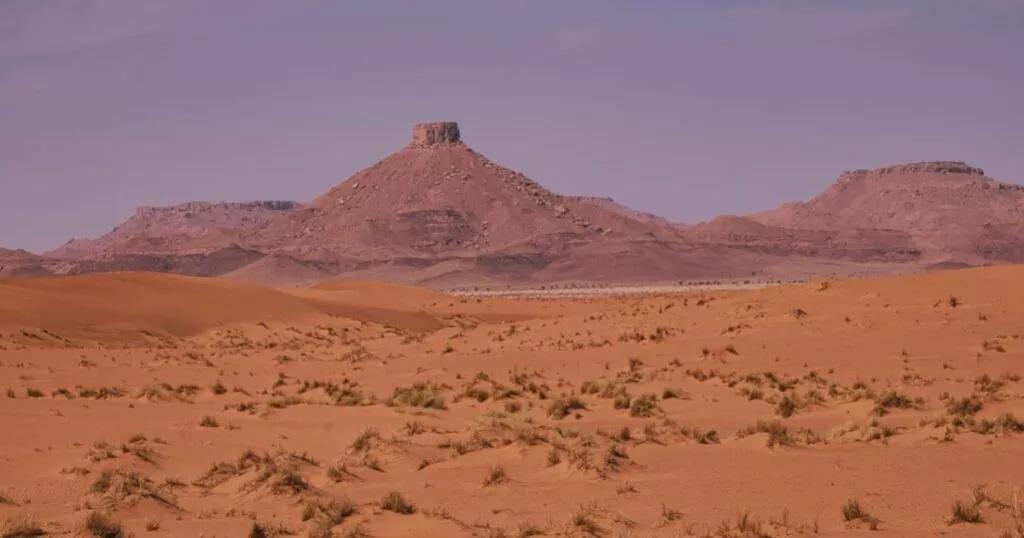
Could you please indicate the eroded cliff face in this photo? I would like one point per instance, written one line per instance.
(435, 134)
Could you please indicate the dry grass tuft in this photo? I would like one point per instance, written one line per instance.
(495, 475)
(102, 526)
(21, 528)
(395, 502)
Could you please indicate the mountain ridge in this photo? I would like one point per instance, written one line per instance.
(438, 211)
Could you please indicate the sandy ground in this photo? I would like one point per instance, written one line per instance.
(604, 291)
(170, 406)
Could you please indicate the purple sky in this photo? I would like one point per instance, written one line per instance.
(683, 108)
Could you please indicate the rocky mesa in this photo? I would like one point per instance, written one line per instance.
(951, 209)
(437, 212)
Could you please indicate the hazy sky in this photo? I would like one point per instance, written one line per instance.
(686, 108)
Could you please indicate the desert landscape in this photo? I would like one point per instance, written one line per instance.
(511, 269)
(438, 214)
(160, 405)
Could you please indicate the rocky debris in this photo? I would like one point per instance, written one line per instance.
(933, 167)
(435, 133)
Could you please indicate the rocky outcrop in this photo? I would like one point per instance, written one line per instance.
(435, 133)
(924, 167)
(162, 229)
(949, 208)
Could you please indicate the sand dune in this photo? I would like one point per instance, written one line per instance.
(882, 407)
(279, 269)
(177, 305)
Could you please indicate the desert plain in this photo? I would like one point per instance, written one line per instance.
(159, 405)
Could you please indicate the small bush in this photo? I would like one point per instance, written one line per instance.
(397, 503)
(562, 407)
(338, 473)
(21, 528)
(102, 526)
(258, 531)
(418, 395)
(644, 406)
(670, 393)
(853, 511)
(893, 400)
(787, 406)
(495, 475)
(963, 407)
(364, 441)
(965, 513)
(583, 519)
(778, 433)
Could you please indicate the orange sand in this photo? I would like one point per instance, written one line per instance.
(136, 396)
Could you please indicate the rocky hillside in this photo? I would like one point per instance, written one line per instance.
(952, 210)
(628, 212)
(18, 262)
(437, 212)
(856, 244)
(191, 225)
(437, 197)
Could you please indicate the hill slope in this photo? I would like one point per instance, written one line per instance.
(438, 213)
(191, 225)
(951, 209)
(438, 197)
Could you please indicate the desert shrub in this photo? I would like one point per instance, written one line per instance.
(644, 406)
(102, 526)
(395, 502)
(418, 395)
(965, 513)
(562, 407)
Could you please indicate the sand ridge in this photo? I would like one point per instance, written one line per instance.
(889, 406)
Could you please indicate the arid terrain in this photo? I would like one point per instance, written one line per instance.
(164, 405)
(439, 214)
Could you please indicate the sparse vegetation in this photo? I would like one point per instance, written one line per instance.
(889, 400)
(364, 441)
(583, 520)
(854, 512)
(21, 528)
(102, 526)
(643, 406)
(964, 512)
(258, 531)
(550, 404)
(563, 407)
(495, 475)
(395, 502)
(418, 395)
